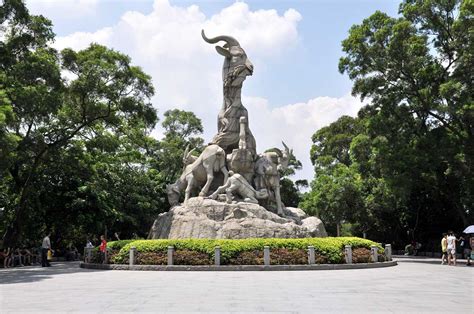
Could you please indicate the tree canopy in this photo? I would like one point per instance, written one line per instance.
(410, 150)
(75, 137)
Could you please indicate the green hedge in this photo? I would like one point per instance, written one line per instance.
(331, 248)
(117, 245)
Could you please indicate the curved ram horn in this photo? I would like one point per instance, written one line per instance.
(231, 41)
(190, 153)
(186, 151)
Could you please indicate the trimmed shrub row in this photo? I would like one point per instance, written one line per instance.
(242, 251)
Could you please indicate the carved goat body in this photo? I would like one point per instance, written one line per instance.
(198, 172)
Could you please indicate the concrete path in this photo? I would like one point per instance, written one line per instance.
(410, 287)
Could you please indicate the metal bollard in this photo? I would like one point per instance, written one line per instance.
(217, 255)
(170, 255)
(131, 259)
(374, 252)
(348, 254)
(311, 255)
(388, 251)
(266, 255)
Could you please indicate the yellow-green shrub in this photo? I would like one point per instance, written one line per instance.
(332, 248)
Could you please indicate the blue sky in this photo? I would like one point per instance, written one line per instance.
(312, 68)
(296, 87)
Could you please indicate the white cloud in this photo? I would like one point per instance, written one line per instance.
(186, 71)
(296, 123)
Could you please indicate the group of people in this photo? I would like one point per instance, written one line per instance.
(19, 257)
(448, 247)
(12, 257)
(102, 250)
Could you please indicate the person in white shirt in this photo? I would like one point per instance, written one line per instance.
(45, 247)
(451, 248)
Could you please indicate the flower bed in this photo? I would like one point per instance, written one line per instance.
(243, 251)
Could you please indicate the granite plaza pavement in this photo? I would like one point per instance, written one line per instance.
(414, 286)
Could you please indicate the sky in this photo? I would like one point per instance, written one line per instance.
(295, 47)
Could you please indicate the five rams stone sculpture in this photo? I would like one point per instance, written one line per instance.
(239, 190)
(235, 143)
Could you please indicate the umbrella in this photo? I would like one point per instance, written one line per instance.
(469, 229)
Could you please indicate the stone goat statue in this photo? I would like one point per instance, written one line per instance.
(267, 173)
(198, 171)
(236, 184)
(235, 69)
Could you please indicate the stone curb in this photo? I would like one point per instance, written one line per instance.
(237, 267)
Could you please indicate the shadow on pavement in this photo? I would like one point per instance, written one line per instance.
(426, 260)
(38, 273)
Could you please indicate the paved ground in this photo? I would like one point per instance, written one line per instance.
(414, 286)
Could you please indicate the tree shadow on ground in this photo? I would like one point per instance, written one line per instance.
(425, 260)
(37, 273)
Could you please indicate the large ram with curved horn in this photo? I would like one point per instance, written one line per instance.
(236, 63)
(234, 71)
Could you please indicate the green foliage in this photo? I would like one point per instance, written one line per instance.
(73, 149)
(119, 244)
(290, 190)
(402, 168)
(181, 130)
(330, 247)
(77, 149)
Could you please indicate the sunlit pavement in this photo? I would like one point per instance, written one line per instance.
(414, 286)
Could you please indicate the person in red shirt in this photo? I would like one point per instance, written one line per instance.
(103, 249)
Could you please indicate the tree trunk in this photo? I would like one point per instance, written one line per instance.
(338, 228)
(12, 235)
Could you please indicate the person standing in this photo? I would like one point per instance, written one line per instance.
(466, 247)
(444, 249)
(451, 239)
(45, 247)
(7, 255)
(103, 249)
(471, 243)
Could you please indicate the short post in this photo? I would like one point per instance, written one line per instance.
(374, 252)
(348, 254)
(266, 255)
(388, 251)
(217, 255)
(131, 259)
(170, 255)
(87, 254)
(311, 255)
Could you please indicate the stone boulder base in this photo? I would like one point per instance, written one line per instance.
(206, 218)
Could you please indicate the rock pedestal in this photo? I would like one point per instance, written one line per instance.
(206, 218)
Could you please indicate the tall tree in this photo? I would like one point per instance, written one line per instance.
(335, 194)
(412, 146)
(45, 114)
(419, 67)
(181, 131)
